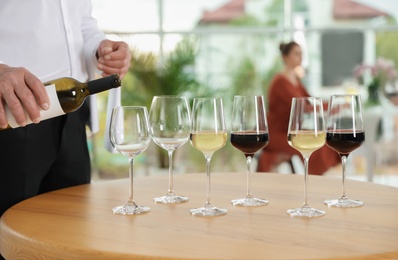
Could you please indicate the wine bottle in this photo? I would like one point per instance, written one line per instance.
(67, 95)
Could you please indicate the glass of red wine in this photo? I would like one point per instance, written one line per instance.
(345, 133)
(249, 134)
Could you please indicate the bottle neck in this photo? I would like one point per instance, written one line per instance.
(103, 84)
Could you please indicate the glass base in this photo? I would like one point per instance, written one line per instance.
(208, 211)
(344, 203)
(250, 202)
(171, 198)
(306, 212)
(130, 209)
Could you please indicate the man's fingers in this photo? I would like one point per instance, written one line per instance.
(22, 93)
(113, 63)
(111, 70)
(38, 90)
(14, 105)
(113, 58)
(28, 101)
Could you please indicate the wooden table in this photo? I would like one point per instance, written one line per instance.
(77, 223)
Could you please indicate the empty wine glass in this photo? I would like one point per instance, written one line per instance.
(306, 133)
(170, 122)
(129, 134)
(208, 134)
(344, 134)
(249, 134)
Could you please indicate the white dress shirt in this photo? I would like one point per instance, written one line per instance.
(52, 39)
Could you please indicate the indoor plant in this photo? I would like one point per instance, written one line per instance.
(374, 78)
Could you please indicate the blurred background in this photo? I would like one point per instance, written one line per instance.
(228, 47)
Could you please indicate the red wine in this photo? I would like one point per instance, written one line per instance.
(344, 142)
(249, 142)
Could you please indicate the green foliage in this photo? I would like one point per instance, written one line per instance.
(149, 76)
(373, 92)
(178, 75)
(244, 77)
(278, 6)
(245, 20)
(300, 6)
(275, 11)
(386, 46)
(140, 80)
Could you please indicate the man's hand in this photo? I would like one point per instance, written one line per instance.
(20, 90)
(113, 58)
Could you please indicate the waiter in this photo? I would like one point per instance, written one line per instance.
(42, 40)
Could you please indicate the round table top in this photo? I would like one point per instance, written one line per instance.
(78, 223)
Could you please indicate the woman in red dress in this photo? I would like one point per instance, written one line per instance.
(284, 86)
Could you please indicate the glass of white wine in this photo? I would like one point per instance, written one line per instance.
(306, 133)
(208, 134)
(129, 134)
(170, 121)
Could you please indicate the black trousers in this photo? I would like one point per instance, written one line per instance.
(44, 157)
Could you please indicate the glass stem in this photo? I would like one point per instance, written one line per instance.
(306, 160)
(248, 177)
(208, 159)
(171, 182)
(343, 164)
(131, 196)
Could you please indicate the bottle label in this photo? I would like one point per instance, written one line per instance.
(54, 110)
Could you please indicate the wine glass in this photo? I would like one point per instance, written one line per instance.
(249, 134)
(129, 134)
(306, 133)
(208, 134)
(344, 134)
(170, 122)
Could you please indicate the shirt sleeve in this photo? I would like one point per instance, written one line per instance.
(92, 36)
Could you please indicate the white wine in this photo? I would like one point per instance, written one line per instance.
(306, 142)
(208, 141)
(67, 95)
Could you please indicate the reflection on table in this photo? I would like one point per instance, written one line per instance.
(77, 223)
